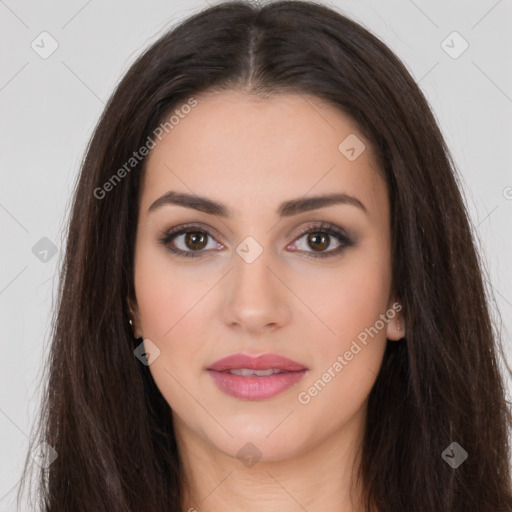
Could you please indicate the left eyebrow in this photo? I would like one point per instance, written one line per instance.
(286, 209)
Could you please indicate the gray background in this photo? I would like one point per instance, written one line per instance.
(50, 107)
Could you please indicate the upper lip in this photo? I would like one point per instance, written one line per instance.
(261, 362)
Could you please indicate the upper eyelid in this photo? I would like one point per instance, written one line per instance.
(184, 228)
(318, 225)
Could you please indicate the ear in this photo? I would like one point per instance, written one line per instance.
(134, 317)
(395, 329)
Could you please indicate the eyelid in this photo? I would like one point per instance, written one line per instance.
(197, 226)
(169, 234)
(329, 228)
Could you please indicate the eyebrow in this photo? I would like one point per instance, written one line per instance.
(286, 209)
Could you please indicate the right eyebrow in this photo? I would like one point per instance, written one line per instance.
(286, 209)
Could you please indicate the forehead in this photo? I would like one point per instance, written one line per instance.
(246, 150)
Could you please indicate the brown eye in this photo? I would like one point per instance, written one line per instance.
(318, 241)
(322, 240)
(195, 240)
(189, 241)
(315, 241)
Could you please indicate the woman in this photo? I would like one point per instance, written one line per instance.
(271, 298)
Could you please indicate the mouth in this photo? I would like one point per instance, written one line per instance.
(255, 378)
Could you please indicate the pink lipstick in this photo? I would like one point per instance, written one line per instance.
(255, 378)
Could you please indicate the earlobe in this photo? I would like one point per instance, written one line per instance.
(134, 318)
(396, 329)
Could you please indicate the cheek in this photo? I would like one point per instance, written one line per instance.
(174, 307)
(166, 292)
(348, 298)
(349, 353)
(172, 311)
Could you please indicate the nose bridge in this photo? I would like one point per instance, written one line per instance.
(256, 298)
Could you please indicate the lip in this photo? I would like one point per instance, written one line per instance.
(255, 388)
(261, 362)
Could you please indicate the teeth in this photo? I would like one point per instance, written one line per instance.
(247, 372)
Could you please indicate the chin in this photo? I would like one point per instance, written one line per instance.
(267, 440)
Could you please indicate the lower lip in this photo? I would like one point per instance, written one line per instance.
(255, 388)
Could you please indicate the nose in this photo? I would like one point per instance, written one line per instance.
(257, 300)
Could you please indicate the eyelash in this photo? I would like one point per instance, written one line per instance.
(325, 228)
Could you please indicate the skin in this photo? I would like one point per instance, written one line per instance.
(251, 154)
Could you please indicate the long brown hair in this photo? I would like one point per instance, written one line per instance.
(103, 414)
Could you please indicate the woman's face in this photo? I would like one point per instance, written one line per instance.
(244, 281)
